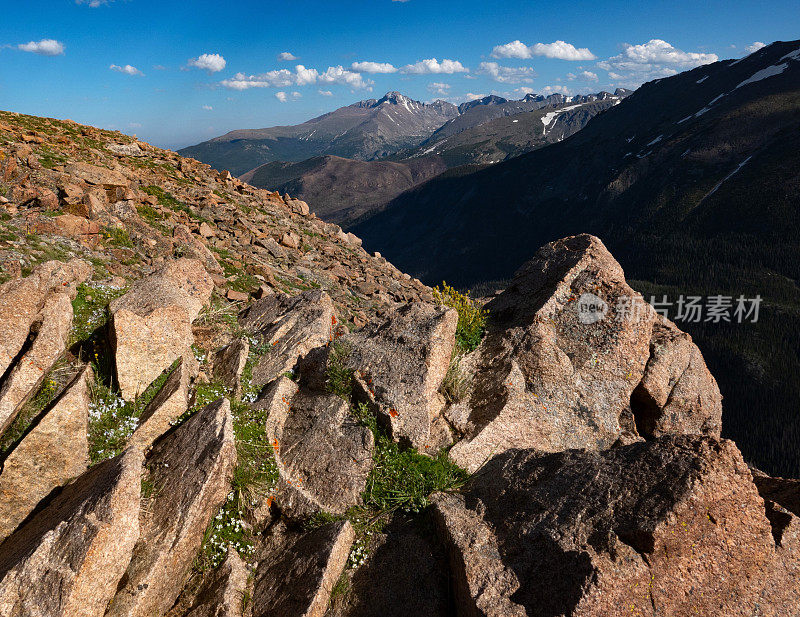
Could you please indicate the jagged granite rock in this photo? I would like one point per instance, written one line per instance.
(677, 393)
(53, 451)
(673, 526)
(46, 342)
(223, 593)
(291, 327)
(406, 573)
(400, 365)
(68, 558)
(189, 470)
(94, 174)
(782, 501)
(228, 364)
(171, 401)
(323, 455)
(567, 346)
(151, 324)
(37, 315)
(298, 570)
(21, 301)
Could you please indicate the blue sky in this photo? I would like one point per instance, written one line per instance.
(176, 73)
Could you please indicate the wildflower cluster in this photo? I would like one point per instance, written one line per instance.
(471, 318)
(112, 421)
(358, 553)
(90, 308)
(228, 529)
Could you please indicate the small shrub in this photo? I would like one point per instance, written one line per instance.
(402, 477)
(456, 382)
(471, 317)
(117, 237)
(338, 377)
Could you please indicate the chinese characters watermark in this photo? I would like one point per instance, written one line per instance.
(689, 309)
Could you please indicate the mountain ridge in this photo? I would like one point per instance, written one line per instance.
(692, 181)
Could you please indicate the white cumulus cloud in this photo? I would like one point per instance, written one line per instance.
(45, 47)
(439, 88)
(373, 67)
(340, 75)
(127, 69)
(557, 49)
(506, 74)
(207, 107)
(302, 76)
(654, 59)
(547, 90)
(433, 66)
(212, 63)
(471, 96)
(286, 56)
(282, 96)
(583, 76)
(754, 47)
(94, 3)
(325, 92)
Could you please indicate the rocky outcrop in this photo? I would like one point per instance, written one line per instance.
(229, 364)
(323, 455)
(37, 316)
(53, 451)
(591, 501)
(151, 324)
(677, 393)
(568, 346)
(298, 570)
(93, 174)
(69, 557)
(290, 327)
(673, 526)
(188, 472)
(225, 592)
(411, 561)
(166, 407)
(400, 365)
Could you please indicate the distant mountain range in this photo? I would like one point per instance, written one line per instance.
(366, 130)
(392, 145)
(693, 182)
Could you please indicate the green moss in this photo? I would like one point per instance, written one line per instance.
(168, 200)
(149, 214)
(254, 478)
(90, 310)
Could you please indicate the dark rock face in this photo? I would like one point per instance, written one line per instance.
(405, 574)
(672, 526)
(298, 570)
(53, 451)
(291, 327)
(36, 319)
